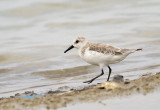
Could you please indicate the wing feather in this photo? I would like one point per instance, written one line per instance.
(104, 49)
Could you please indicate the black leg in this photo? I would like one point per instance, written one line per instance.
(90, 81)
(110, 70)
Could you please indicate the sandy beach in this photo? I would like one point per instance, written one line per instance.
(89, 94)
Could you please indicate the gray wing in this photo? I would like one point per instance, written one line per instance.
(105, 49)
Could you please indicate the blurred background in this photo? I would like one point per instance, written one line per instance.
(35, 33)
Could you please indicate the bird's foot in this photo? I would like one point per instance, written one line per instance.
(90, 81)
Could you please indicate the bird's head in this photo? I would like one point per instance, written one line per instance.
(77, 43)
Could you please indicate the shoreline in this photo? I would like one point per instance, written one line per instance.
(107, 90)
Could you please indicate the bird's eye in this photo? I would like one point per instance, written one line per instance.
(77, 41)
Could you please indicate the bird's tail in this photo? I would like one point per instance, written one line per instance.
(130, 50)
(134, 50)
(140, 49)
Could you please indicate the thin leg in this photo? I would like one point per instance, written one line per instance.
(90, 81)
(110, 70)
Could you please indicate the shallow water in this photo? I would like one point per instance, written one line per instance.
(143, 102)
(35, 33)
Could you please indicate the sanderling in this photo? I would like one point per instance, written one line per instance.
(99, 54)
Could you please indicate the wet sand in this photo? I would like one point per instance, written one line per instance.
(104, 91)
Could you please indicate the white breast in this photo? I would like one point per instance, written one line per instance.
(97, 58)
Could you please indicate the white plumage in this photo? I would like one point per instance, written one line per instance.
(99, 54)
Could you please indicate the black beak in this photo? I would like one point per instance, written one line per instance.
(69, 48)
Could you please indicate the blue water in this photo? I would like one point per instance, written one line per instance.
(33, 96)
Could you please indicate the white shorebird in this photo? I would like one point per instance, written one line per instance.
(99, 54)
